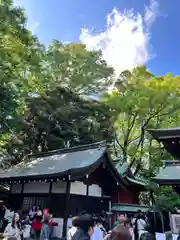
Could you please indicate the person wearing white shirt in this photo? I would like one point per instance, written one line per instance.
(12, 231)
(26, 231)
(71, 232)
(72, 229)
(97, 234)
(141, 226)
(8, 216)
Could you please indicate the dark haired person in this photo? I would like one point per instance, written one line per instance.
(121, 233)
(99, 231)
(26, 228)
(101, 226)
(12, 231)
(129, 226)
(140, 225)
(147, 236)
(120, 221)
(85, 227)
(33, 212)
(72, 230)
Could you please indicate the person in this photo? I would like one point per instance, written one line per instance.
(45, 211)
(101, 226)
(147, 236)
(121, 233)
(104, 218)
(45, 231)
(120, 221)
(38, 211)
(108, 235)
(72, 230)
(129, 226)
(9, 213)
(52, 224)
(133, 221)
(140, 225)
(26, 228)
(36, 226)
(32, 212)
(98, 232)
(85, 227)
(12, 231)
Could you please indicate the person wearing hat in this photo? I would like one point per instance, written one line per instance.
(85, 227)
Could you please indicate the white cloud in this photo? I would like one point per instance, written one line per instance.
(125, 41)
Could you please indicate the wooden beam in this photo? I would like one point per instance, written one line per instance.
(66, 211)
(22, 198)
(50, 194)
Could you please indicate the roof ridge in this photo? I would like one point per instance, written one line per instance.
(70, 149)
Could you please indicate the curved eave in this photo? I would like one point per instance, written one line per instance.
(139, 184)
(165, 133)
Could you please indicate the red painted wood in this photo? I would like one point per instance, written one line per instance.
(127, 197)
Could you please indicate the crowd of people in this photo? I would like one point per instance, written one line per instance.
(85, 227)
(38, 224)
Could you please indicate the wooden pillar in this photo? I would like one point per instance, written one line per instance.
(9, 194)
(66, 211)
(50, 195)
(10, 188)
(22, 196)
(87, 189)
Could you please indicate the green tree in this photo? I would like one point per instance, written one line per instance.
(59, 119)
(34, 82)
(166, 199)
(141, 101)
(20, 61)
(72, 66)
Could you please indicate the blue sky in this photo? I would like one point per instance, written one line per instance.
(129, 32)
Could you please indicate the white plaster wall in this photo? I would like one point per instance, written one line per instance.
(95, 190)
(37, 187)
(16, 188)
(78, 188)
(59, 187)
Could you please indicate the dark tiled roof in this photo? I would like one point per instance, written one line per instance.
(170, 138)
(60, 162)
(165, 133)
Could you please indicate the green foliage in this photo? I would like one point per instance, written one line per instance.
(45, 99)
(59, 119)
(72, 66)
(166, 199)
(141, 101)
(19, 59)
(32, 76)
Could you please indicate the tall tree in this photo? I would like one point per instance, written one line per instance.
(72, 66)
(140, 101)
(20, 60)
(59, 119)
